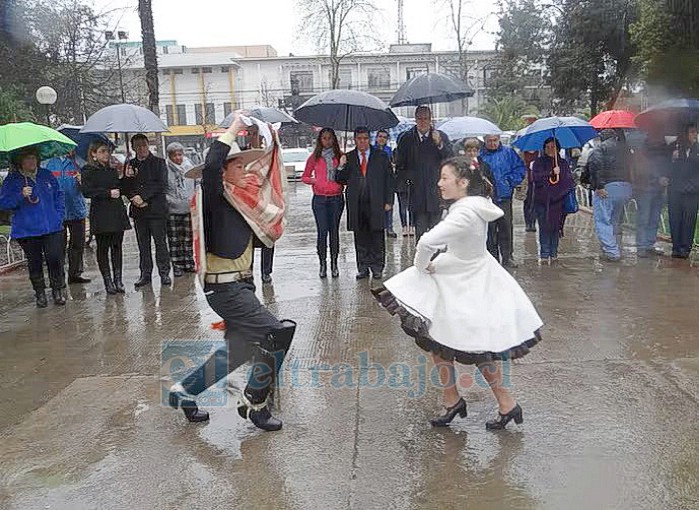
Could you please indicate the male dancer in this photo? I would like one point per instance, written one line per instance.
(252, 332)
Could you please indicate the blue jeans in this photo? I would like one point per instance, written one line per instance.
(608, 214)
(327, 212)
(650, 205)
(548, 239)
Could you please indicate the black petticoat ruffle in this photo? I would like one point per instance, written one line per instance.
(416, 327)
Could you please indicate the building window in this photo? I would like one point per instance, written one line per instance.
(206, 70)
(412, 72)
(181, 115)
(224, 69)
(195, 70)
(227, 109)
(301, 81)
(166, 72)
(165, 50)
(210, 113)
(199, 114)
(177, 71)
(379, 78)
(345, 76)
(170, 114)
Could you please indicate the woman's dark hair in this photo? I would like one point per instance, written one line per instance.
(549, 140)
(478, 184)
(318, 151)
(94, 147)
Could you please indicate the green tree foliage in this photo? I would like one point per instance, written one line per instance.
(59, 43)
(507, 112)
(524, 37)
(12, 107)
(591, 57)
(667, 56)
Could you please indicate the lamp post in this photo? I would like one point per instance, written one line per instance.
(46, 96)
(122, 36)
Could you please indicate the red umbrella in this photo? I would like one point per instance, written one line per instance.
(614, 119)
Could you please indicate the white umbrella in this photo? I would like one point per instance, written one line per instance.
(465, 127)
(124, 118)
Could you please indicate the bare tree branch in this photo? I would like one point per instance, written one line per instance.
(336, 26)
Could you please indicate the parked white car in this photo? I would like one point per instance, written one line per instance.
(295, 162)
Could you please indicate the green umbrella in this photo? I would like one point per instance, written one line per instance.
(49, 142)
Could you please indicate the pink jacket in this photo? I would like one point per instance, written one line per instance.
(316, 173)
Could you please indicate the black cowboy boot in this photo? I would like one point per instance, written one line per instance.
(256, 401)
(39, 287)
(323, 272)
(179, 399)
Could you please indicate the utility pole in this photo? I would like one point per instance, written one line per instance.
(401, 23)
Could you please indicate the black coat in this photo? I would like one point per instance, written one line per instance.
(379, 184)
(418, 162)
(150, 182)
(226, 232)
(684, 176)
(107, 214)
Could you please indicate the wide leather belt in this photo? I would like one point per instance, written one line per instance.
(235, 276)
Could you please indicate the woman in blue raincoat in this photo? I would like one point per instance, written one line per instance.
(37, 204)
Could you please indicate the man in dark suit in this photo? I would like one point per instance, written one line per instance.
(418, 158)
(145, 184)
(369, 179)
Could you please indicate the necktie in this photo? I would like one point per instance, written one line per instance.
(363, 164)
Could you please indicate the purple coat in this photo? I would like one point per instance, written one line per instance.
(550, 195)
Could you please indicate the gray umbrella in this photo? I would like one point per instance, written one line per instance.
(124, 118)
(263, 113)
(345, 110)
(430, 88)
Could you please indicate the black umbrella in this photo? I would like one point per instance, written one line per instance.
(430, 88)
(671, 116)
(263, 113)
(345, 110)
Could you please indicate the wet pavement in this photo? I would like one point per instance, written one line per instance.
(610, 397)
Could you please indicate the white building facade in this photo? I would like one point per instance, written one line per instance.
(200, 86)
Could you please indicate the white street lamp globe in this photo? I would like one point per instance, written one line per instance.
(46, 95)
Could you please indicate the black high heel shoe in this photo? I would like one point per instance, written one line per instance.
(503, 419)
(451, 412)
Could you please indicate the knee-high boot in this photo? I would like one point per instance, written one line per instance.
(256, 395)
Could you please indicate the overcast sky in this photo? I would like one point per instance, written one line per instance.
(274, 22)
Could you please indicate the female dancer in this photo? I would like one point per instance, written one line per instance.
(462, 305)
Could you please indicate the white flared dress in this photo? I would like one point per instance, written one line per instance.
(469, 308)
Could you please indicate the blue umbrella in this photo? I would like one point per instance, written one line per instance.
(569, 131)
(83, 139)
